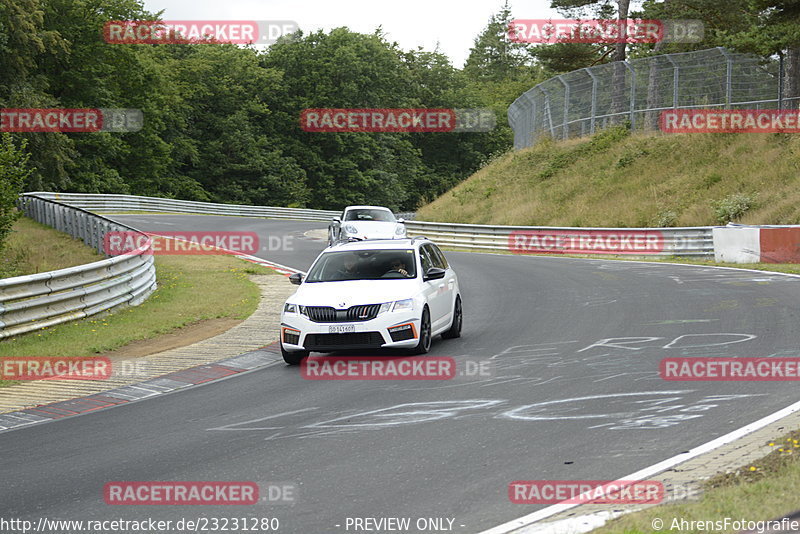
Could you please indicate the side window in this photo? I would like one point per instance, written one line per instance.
(425, 259)
(438, 258)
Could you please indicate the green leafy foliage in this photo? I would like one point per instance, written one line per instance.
(13, 172)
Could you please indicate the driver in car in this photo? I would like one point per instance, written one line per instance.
(349, 268)
(398, 267)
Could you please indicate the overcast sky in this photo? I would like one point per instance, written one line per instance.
(453, 24)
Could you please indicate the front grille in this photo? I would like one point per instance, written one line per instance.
(327, 314)
(356, 340)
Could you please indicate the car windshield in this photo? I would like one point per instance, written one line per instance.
(364, 265)
(369, 215)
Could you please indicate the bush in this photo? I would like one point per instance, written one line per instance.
(13, 172)
(732, 207)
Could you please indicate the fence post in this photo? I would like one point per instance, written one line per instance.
(594, 99)
(781, 74)
(675, 75)
(728, 76)
(547, 115)
(633, 92)
(566, 107)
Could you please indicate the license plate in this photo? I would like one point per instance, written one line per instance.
(341, 329)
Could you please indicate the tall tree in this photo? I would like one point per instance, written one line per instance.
(493, 55)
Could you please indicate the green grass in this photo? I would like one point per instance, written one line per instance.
(762, 490)
(616, 179)
(35, 248)
(222, 281)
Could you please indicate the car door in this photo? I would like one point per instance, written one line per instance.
(449, 293)
(335, 228)
(435, 290)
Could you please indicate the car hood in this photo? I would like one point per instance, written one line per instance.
(348, 293)
(373, 229)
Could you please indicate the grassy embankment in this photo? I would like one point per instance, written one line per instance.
(644, 180)
(228, 295)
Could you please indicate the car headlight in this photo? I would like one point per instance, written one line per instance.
(400, 230)
(402, 305)
(350, 229)
(289, 308)
(399, 305)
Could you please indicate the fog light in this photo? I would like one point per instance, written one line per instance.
(291, 336)
(402, 332)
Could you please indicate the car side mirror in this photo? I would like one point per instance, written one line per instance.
(336, 220)
(434, 273)
(296, 278)
(401, 220)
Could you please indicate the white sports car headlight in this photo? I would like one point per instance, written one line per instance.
(403, 305)
(289, 308)
(350, 229)
(400, 230)
(399, 305)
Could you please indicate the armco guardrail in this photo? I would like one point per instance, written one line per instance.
(117, 203)
(693, 241)
(35, 301)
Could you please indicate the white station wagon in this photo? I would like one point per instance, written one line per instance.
(397, 293)
(366, 222)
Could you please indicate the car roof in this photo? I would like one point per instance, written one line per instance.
(368, 208)
(381, 244)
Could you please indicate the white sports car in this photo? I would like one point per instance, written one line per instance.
(366, 222)
(372, 294)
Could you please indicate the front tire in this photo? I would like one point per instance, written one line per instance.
(458, 319)
(293, 358)
(425, 337)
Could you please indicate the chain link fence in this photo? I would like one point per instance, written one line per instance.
(580, 102)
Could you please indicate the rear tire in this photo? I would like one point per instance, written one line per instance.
(458, 319)
(425, 337)
(293, 358)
